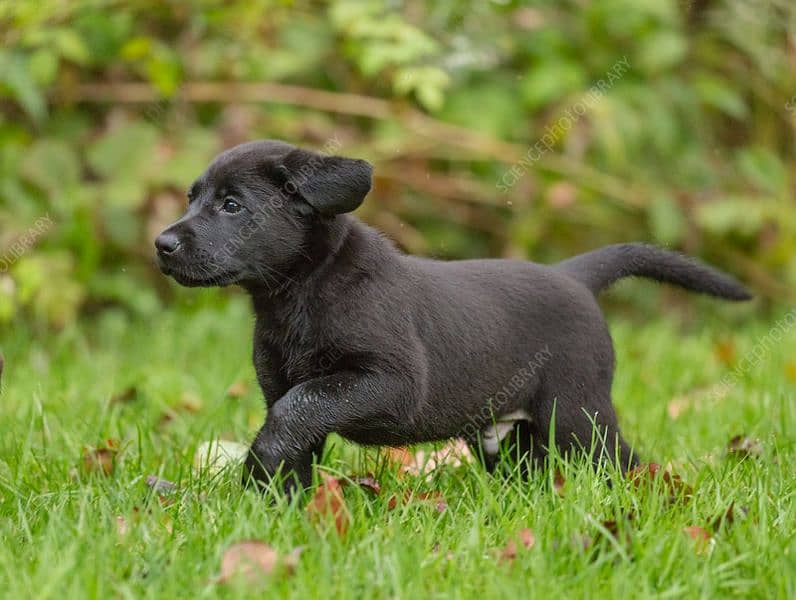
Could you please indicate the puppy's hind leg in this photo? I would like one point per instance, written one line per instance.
(583, 416)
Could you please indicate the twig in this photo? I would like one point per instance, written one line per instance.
(363, 106)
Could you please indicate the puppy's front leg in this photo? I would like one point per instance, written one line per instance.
(297, 424)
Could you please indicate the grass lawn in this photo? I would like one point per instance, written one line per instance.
(72, 532)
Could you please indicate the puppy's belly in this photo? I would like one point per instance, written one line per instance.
(380, 436)
(389, 435)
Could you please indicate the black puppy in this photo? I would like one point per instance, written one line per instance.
(355, 338)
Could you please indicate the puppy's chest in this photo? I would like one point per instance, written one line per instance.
(293, 353)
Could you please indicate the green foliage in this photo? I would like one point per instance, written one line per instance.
(691, 145)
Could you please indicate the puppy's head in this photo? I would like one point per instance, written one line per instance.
(252, 211)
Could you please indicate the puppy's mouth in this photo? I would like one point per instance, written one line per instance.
(192, 278)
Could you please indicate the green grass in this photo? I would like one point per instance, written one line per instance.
(58, 523)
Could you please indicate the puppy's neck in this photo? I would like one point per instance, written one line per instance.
(324, 242)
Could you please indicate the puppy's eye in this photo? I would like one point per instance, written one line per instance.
(230, 206)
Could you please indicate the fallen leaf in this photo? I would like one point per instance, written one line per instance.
(743, 447)
(558, 482)
(728, 517)
(211, 457)
(455, 453)
(291, 561)
(725, 351)
(122, 527)
(159, 485)
(369, 483)
(644, 474)
(126, 396)
(238, 389)
(435, 549)
(398, 456)
(101, 459)
(561, 195)
(189, 403)
(409, 497)
(790, 370)
(329, 503)
(527, 540)
(702, 537)
(696, 398)
(250, 559)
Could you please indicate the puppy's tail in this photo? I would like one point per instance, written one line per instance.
(600, 268)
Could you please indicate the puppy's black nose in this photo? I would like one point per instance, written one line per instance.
(167, 243)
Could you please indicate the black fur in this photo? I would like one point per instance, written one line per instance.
(355, 338)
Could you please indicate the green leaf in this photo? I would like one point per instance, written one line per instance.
(16, 79)
(661, 50)
(743, 216)
(71, 46)
(764, 169)
(52, 165)
(714, 92)
(666, 220)
(125, 151)
(193, 153)
(550, 81)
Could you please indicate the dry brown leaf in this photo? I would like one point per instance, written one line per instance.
(743, 447)
(455, 453)
(238, 389)
(790, 370)
(435, 549)
(250, 559)
(409, 497)
(725, 351)
(701, 536)
(558, 482)
(561, 195)
(126, 396)
(368, 482)
(696, 398)
(644, 474)
(527, 540)
(101, 459)
(329, 503)
(729, 516)
(189, 403)
(616, 528)
(122, 526)
(291, 560)
(160, 485)
(399, 456)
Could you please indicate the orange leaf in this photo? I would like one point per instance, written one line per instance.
(238, 389)
(101, 460)
(329, 502)
(249, 559)
(725, 351)
(527, 540)
(368, 482)
(701, 536)
(742, 447)
(558, 482)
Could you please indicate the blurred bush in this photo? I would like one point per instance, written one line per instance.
(110, 109)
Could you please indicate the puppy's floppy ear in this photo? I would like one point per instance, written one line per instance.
(330, 184)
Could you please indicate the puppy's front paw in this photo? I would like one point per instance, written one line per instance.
(253, 473)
